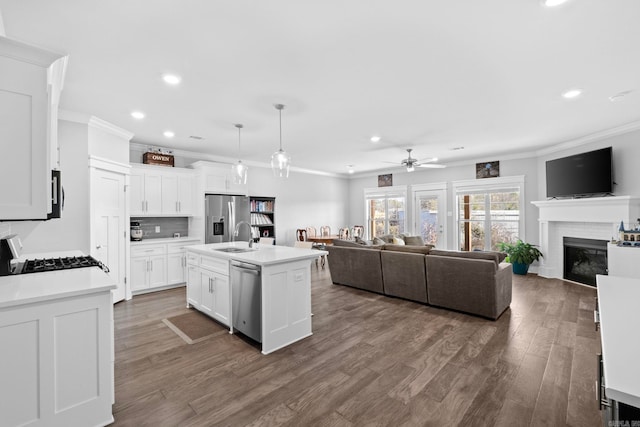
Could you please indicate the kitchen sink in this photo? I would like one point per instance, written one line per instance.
(235, 250)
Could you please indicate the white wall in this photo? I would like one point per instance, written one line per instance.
(71, 231)
(508, 167)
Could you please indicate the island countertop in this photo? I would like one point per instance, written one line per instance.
(263, 255)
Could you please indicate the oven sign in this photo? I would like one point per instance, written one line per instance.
(157, 159)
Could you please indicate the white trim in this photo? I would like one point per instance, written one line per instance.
(435, 186)
(109, 165)
(395, 189)
(472, 186)
(94, 122)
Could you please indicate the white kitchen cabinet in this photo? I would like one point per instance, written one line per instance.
(57, 356)
(623, 261)
(177, 194)
(145, 189)
(161, 191)
(218, 178)
(30, 84)
(148, 267)
(208, 286)
(177, 261)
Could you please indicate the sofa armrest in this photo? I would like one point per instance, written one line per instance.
(471, 285)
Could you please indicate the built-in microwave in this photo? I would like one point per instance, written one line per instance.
(57, 195)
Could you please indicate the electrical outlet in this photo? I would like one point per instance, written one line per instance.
(157, 228)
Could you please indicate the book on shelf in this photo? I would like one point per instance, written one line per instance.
(260, 219)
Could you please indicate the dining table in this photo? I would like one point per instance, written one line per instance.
(327, 240)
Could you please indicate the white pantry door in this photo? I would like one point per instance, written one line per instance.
(108, 232)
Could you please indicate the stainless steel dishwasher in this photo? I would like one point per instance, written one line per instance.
(246, 298)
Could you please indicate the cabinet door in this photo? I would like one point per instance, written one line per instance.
(175, 268)
(24, 170)
(169, 194)
(221, 299)
(139, 273)
(153, 193)
(136, 193)
(157, 271)
(207, 287)
(185, 194)
(194, 291)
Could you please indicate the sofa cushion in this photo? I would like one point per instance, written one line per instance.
(404, 275)
(414, 240)
(378, 241)
(425, 249)
(492, 256)
(398, 241)
(349, 243)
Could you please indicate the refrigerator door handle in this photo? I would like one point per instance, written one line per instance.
(232, 220)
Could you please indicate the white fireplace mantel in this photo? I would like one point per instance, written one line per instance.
(589, 218)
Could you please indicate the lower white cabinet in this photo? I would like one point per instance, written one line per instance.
(148, 267)
(57, 362)
(157, 266)
(208, 287)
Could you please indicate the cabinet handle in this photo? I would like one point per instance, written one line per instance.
(147, 265)
(179, 206)
(142, 202)
(98, 246)
(151, 265)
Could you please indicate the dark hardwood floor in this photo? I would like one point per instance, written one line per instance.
(372, 360)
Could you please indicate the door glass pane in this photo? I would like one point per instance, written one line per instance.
(428, 219)
(396, 215)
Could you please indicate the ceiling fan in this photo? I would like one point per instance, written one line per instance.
(411, 163)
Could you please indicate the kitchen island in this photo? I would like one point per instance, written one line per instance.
(285, 291)
(56, 363)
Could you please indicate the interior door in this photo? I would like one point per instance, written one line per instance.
(108, 224)
(430, 217)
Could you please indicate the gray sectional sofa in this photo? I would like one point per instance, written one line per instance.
(477, 283)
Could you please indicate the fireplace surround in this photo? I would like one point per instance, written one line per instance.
(595, 218)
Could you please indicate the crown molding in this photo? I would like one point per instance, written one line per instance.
(592, 137)
(229, 161)
(94, 122)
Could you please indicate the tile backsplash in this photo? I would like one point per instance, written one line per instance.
(168, 226)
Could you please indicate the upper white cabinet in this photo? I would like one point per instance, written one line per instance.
(218, 178)
(30, 84)
(160, 191)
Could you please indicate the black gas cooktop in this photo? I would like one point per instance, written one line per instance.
(62, 263)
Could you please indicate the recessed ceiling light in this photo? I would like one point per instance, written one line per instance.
(169, 134)
(553, 3)
(137, 115)
(375, 138)
(572, 93)
(171, 79)
(351, 170)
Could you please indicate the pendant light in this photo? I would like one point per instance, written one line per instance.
(239, 169)
(280, 160)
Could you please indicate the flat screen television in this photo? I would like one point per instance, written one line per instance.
(581, 175)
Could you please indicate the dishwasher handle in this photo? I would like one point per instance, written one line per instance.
(249, 268)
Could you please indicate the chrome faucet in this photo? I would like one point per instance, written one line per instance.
(236, 232)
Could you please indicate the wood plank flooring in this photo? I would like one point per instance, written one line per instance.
(372, 360)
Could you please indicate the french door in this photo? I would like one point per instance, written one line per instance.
(430, 215)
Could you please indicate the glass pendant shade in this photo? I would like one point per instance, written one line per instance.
(239, 169)
(239, 173)
(280, 160)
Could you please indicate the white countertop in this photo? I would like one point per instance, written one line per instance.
(28, 288)
(263, 255)
(162, 241)
(619, 305)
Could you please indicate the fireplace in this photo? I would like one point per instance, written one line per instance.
(583, 259)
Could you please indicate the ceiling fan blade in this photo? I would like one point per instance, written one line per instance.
(431, 165)
(428, 160)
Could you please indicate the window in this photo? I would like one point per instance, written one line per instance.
(489, 212)
(385, 211)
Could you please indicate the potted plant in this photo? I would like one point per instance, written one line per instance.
(520, 255)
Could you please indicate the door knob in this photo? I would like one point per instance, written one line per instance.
(98, 246)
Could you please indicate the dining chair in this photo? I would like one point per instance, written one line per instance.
(343, 233)
(325, 230)
(267, 241)
(301, 235)
(358, 231)
(311, 232)
(306, 245)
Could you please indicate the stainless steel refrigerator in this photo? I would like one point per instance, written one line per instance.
(223, 214)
